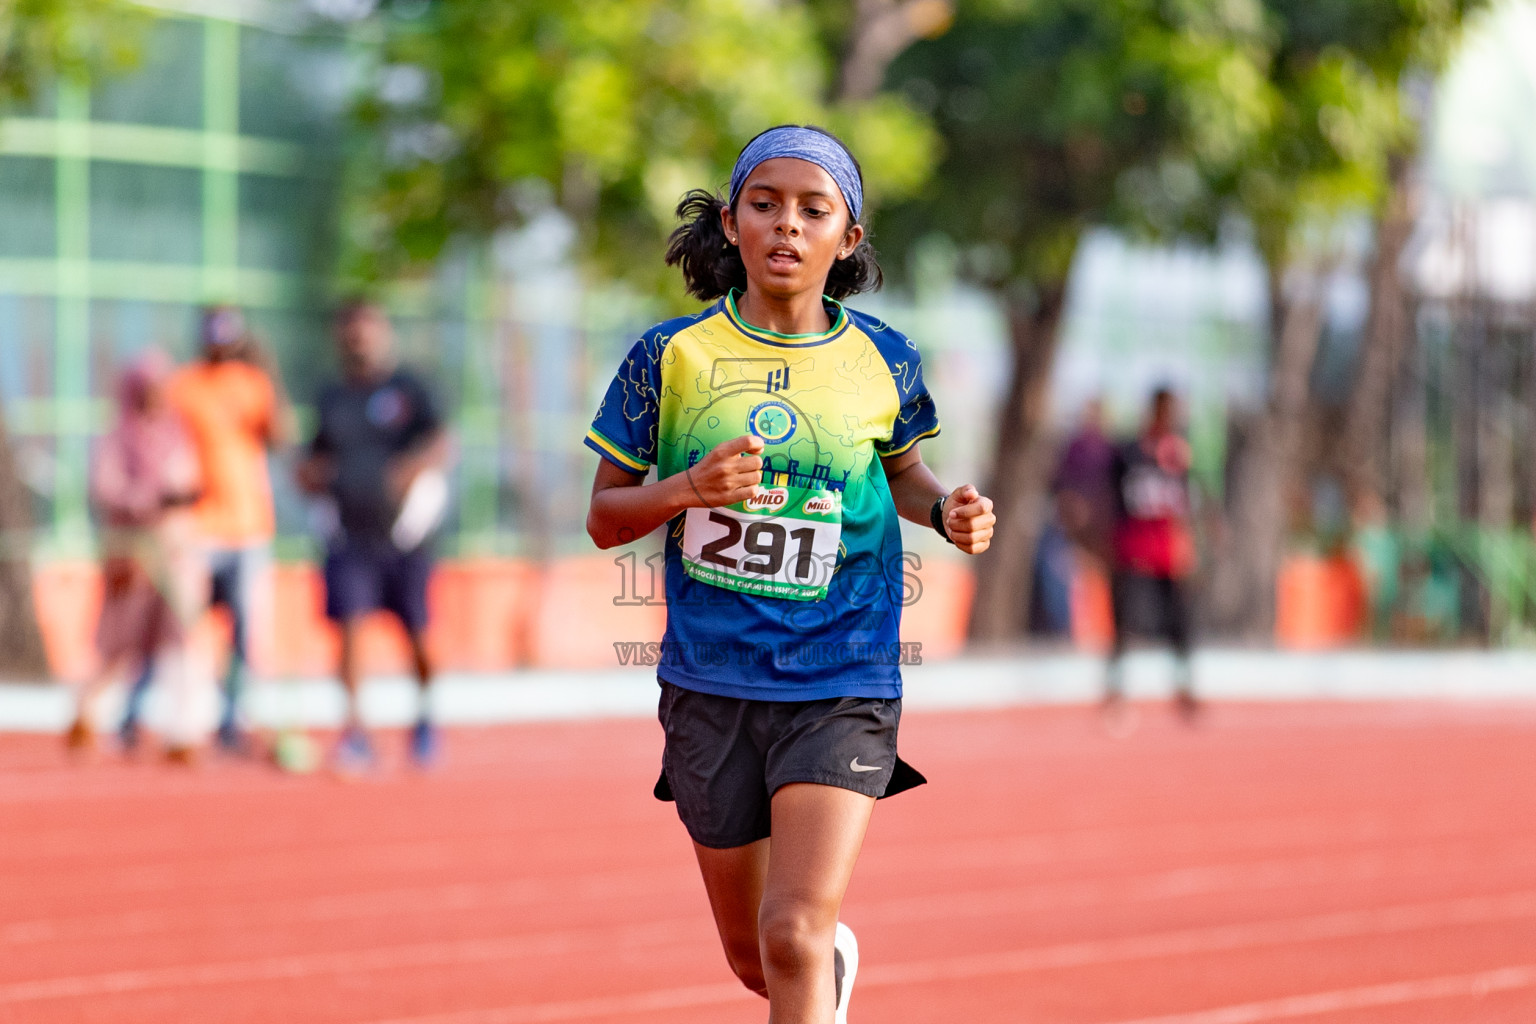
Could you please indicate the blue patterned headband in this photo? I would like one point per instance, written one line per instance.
(802, 144)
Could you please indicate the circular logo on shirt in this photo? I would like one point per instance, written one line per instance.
(773, 421)
(792, 457)
(387, 407)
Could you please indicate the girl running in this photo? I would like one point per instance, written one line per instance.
(784, 431)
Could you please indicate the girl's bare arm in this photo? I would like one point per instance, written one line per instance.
(967, 514)
(625, 508)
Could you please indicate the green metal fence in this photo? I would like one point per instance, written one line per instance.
(210, 174)
(125, 205)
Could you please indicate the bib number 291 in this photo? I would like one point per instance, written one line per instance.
(764, 539)
(789, 558)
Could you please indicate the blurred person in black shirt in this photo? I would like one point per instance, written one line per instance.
(378, 453)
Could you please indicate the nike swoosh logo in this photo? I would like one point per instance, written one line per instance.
(855, 766)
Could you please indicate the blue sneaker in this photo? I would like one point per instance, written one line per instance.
(354, 753)
(233, 740)
(128, 735)
(424, 744)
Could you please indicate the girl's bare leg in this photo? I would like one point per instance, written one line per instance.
(817, 834)
(777, 914)
(734, 880)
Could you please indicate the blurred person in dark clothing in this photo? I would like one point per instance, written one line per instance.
(145, 477)
(1078, 538)
(1153, 550)
(378, 454)
(231, 402)
(1084, 486)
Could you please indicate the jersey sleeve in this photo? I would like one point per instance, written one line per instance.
(918, 417)
(624, 429)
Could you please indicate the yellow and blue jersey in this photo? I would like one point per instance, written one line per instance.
(827, 406)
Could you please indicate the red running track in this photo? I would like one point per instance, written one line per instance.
(1339, 864)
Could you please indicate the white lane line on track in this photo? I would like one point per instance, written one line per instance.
(586, 1009)
(1173, 883)
(1195, 838)
(391, 903)
(386, 958)
(1393, 993)
(1250, 877)
(1365, 997)
(1217, 939)
(1382, 921)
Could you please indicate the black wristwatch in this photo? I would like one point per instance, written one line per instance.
(936, 517)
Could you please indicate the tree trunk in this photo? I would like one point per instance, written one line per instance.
(1411, 497)
(21, 643)
(882, 29)
(1382, 346)
(1246, 570)
(1019, 469)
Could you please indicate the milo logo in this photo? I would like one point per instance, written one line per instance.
(821, 504)
(770, 500)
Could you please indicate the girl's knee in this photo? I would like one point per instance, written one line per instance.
(792, 933)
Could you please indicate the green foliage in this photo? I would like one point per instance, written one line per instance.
(1058, 114)
(42, 39)
(485, 113)
(1024, 123)
(1159, 116)
(1339, 69)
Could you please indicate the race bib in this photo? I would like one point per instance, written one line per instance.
(773, 545)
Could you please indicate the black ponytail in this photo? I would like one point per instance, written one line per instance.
(712, 266)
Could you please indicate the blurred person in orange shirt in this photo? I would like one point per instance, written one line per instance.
(145, 478)
(1153, 551)
(232, 406)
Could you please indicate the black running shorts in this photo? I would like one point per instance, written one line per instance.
(1156, 606)
(725, 757)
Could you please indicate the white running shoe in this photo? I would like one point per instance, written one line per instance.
(846, 964)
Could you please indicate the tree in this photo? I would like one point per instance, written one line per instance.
(870, 34)
(43, 39)
(1340, 141)
(1059, 115)
(1056, 116)
(610, 110)
(1388, 331)
(40, 40)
